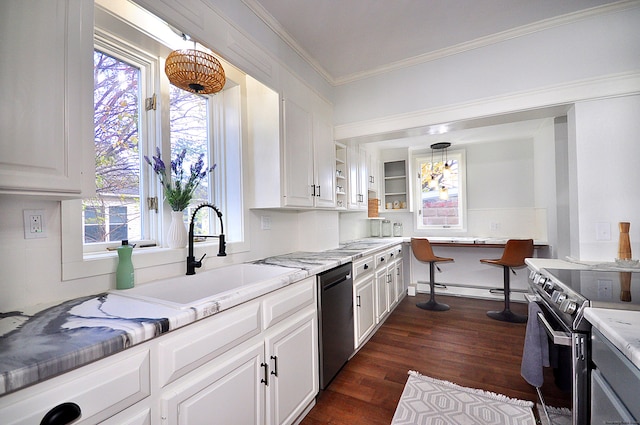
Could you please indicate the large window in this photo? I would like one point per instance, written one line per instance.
(440, 191)
(133, 117)
(115, 213)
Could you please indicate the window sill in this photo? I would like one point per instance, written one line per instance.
(78, 265)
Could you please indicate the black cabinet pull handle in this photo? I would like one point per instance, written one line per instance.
(274, 372)
(265, 381)
(366, 266)
(358, 301)
(62, 414)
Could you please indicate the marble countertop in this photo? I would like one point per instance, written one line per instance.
(621, 327)
(40, 342)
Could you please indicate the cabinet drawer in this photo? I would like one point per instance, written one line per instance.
(395, 253)
(382, 259)
(202, 341)
(622, 375)
(100, 390)
(288, 300)
(363, 266)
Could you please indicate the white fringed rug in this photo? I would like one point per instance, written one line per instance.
(429, 401)
(558, 415)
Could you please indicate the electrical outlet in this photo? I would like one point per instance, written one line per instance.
(34, 224)
(605, 289)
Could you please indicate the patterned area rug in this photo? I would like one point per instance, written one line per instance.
(428, 401)
(558, 415)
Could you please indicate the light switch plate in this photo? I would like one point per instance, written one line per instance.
(603, 231)
(34, 224)
(265, 222)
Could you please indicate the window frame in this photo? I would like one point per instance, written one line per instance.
(420, 156)
(148, 64)
(76, 263)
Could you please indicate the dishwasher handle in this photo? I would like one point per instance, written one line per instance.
(328, 285)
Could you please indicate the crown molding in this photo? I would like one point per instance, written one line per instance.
(545, 24)
(553, 96)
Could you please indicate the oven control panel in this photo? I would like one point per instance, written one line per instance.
(554, 291)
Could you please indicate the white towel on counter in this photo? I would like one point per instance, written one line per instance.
(535, 355)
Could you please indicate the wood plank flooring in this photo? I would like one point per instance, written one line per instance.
(461, 345)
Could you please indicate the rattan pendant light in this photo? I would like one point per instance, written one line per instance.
(195, 71)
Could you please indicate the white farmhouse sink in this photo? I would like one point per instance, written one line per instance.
(206, 286)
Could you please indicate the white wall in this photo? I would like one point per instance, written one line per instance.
(590, 48)
(604, 148)
(31, 268)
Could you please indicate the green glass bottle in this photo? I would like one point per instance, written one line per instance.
(124, 272)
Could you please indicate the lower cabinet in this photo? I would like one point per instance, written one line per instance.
(382, 293)
(227, 391)
(365, 312)
(256, 363)
(101, 390)
(291, 357)
(268, 380)
(615, 384)
(378, 287)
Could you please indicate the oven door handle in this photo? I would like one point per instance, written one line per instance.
(558, 337)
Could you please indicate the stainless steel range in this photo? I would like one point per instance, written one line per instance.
(563, 295)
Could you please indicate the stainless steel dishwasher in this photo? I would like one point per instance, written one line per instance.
(335, 314)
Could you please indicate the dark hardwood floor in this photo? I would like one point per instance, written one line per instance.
(461, 345)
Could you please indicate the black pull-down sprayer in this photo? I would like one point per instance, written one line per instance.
(192, 263)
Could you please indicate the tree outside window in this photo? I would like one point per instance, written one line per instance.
(116, 124)
(440, 193)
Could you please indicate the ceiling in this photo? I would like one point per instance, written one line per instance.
(345, 40)
(349, 39)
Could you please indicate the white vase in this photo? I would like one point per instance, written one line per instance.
(177, 236)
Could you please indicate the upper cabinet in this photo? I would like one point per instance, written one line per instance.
(358, 178)
(309, 157)
(294, 164)
(395, 185)
(46, 108)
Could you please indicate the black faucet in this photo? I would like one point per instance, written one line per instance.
(192, 263)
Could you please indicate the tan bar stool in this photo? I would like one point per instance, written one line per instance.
(515, 251)
(423, 252)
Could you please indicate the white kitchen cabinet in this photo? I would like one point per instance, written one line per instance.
(373, 181)
(341, 176)
(358, 178)
(291, 351)
(399, 280)
(294, 166)
(46, 136)
(309, 158)
(134, 415)
(395, 185)
(382, 293)
(364, 299)
(365, 312)
(181, 352)
(298, 155)
(101, 390)
(225, 368)
(226, 391)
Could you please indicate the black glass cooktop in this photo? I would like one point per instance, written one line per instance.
(605, 289)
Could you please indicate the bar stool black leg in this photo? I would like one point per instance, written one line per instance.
(507, 315)
(432, 304)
